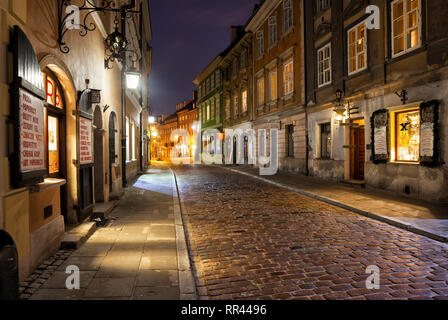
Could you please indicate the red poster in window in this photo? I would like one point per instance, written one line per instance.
(85, 141)
(32, 142)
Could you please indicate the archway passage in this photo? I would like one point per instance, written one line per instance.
(98, 152)
(112, 154)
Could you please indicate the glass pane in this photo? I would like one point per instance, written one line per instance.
(412, 4)
(51, 91)
(398, 27)
(408, 136)
(398, 9)
(412, 19)
(53, 145)
(361, 61)
(398, 45)
(413, 38)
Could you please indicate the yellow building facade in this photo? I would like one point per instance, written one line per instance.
(80, 153)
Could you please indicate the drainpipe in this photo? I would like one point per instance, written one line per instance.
(123, 96)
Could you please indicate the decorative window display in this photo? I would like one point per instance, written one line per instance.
(408, 136)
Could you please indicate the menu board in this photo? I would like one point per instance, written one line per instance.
(85, 139)
(381, 141)
(31, 128)
(427, 136)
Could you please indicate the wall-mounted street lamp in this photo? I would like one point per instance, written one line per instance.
(340, 108)
(68, 19)
(132, 78)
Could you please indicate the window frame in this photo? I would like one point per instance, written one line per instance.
(285, 75)
(244, 101)
(260, 43)
(271, 73)
(261, 102)
(288, 15)
(330, 69)
(419, 27)
(322, 126)
(397, 131)
(366, 51)
(273, 34)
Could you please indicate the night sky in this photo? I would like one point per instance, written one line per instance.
(187, 35)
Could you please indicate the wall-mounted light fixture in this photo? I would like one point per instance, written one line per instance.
(132, 78)
(340, 108)
(68, 19)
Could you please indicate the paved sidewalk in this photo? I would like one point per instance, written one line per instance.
(135, 257)
(416, 216)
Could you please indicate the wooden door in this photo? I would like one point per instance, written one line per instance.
(358, 154)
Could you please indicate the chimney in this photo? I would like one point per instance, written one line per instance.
(235, 32)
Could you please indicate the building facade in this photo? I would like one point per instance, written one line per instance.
(65, 109)
(236, 66)
(387, 125)
(279, 77)
(210, 106)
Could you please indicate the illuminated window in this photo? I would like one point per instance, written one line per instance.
(260, 87)
(128, 153)
(53, 145)
(208, 111)
(273, 85)
(357, 48)
(406, 26)
(288, 74)
(54, 122)
(52, 91)
(407, 135)
(324, 65)
(134, 157)
(244, 101)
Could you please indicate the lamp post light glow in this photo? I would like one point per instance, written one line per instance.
(132, 78)
(151, 120)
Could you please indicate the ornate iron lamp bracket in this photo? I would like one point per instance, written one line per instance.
(66, 14)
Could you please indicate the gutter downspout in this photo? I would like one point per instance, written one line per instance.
(123, 97)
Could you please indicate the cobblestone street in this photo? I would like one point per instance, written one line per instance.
(251, 240)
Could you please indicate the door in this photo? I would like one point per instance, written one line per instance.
(112, 156)
(358, 153)
(55, 124)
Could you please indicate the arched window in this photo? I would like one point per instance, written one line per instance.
(54, 125)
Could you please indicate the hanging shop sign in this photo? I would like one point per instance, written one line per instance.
(380, 136)
(429, 133)
(85, 141)
(27, 158)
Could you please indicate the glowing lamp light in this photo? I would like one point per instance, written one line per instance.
(132, 78)
(152, 120)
